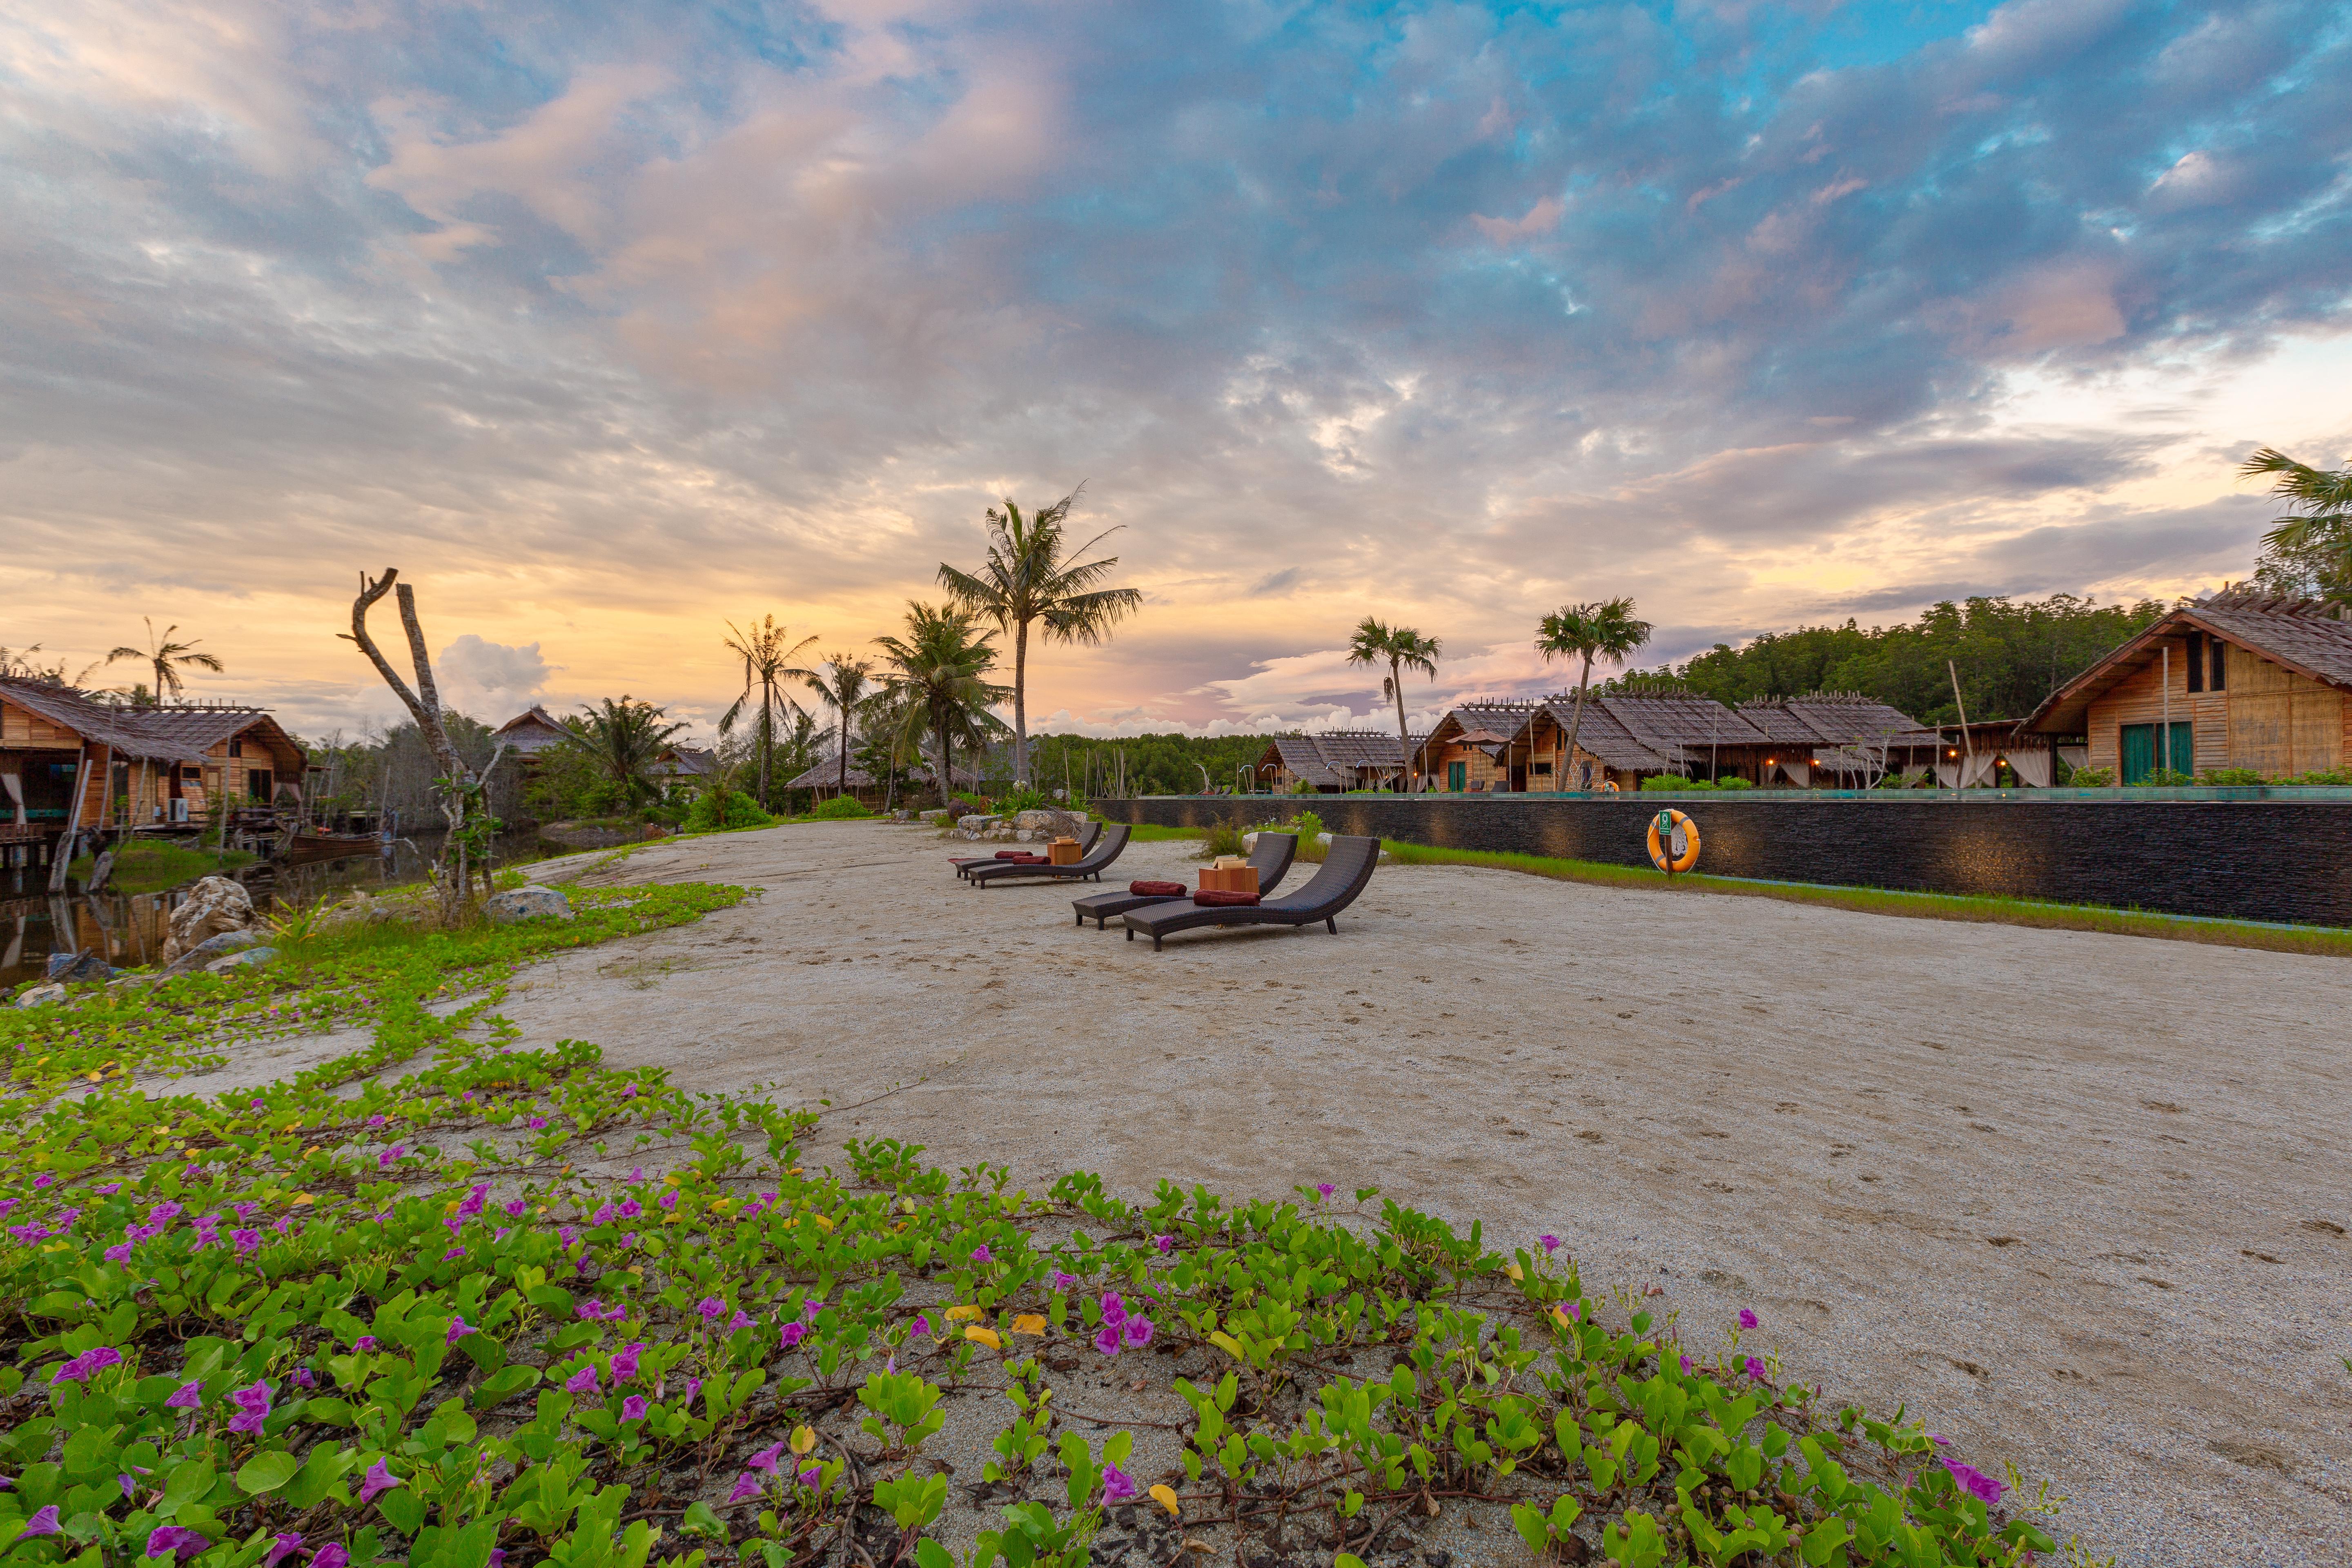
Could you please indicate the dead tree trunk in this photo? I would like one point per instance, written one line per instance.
(459, 789)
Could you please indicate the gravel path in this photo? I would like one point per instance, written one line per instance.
(2079, 1199)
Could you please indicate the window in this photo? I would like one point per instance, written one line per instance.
(2196, 661)
(258, 784)
(1456, 775)
(1543, 769)
(2144, 749)
(236, 746)
(2220, 666)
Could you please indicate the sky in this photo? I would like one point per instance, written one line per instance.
(607, 324)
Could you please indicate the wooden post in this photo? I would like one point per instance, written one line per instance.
(1968, 748)
(62, 856)
(2166, 753)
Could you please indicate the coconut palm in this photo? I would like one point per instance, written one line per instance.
(1404, 648)
(1030, 579)
(166, 658)
(1604, 630)
(844, 684)
(2319, 515)
(623, 740)
(767, 664)
(939, 669)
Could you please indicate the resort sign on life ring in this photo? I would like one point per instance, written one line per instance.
(1674, 842)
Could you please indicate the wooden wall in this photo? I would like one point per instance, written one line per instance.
(2269, 719)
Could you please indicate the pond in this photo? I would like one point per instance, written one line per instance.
(129, 929)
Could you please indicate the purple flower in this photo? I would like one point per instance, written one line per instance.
(624, 1362)
(1940, 1439)
(1066, 1281)
(176, 1539)
(303, 1378)
(471, 1205)
(1755, 1368)
(497, 1557)
(334, 1554)
(629, 1238)
(189, 1395)
(633, 1408)
(35, 1231)
(245, 1211)
(39, 1182)
(765, 1460)
(253, 1408)
(1747, 1318)
(793, 1333)
(42, 1523)
(1973, 1481)
(591, 1311)
(982, 1255)
(454, 1254)
(1106, 1341)
(569, 1234)
(375, 1122)
(630, 1209)
(742, 1319)
(385, 1160)
(630, 1092)
(1685, 1361)
(281, 1548)
(379, 1479)
(1116, 1486)
(693, 1388)
(711, 1307)
(670, 1200)
(747, 1487)
(604, 1215)
(1550, 1244)
(365, 1344)
(83, 1365)
(108, 1190)
(458, 1329)
(515, 1210)
(584, 1380)
(1166, 1244)
(810, 1477)
(1114, 1310)
(248, 1242)
(1137, 1332)
(162, 1214)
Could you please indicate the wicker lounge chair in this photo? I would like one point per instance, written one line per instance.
(1272, 855)
(1089, 865)
(1087, 836)
(1345, 873)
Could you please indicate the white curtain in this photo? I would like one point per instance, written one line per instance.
(1978, 769)
(1799, 772)
(2076, 756)
(2034, 769)
(14, 784)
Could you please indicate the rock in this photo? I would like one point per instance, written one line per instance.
(1324, 840)
(215, 905)
(936, 814)
(66, 967)
(527, 903)
(976, 824)
(1031, 821)
(42, 997)
(251, 957)
(205, 952)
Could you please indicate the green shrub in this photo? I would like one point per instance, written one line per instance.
(2091, 778)
(1734, 782)
(840, 809)
(1224, 839)
(2335, 777)
(2231, 778)
(1672, 782)
(2165, 778)
(722, 807)
(1026, 798)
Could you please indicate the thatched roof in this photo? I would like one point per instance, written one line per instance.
(1835, 719)
(1337, 759)
(827, 775)
(2304, 635)
(533, 730)
(1604, 736)
(179, 732)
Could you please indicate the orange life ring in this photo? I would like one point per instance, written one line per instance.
(1680, 837)
(1609, 786)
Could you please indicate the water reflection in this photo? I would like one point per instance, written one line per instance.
(129, 929)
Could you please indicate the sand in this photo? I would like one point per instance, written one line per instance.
(2076, 1198)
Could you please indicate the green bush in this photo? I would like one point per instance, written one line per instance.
(2231, 778)
(2091, 778)
(2335, 777)
(840, 809)
(1734, 782)
(2165, 778)
(1224, 839)
(721, 808)
(1026, 798)
(1672, 782)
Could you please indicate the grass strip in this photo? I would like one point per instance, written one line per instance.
(1975, 908)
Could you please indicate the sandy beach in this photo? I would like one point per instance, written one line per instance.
(2080, 1200)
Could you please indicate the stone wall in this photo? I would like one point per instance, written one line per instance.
(1023, 828)
(2244, 860)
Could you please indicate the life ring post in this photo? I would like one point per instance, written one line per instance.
(1674, 842)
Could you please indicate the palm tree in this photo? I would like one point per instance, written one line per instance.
(940, 668)
(1604, 630)
(1028, 580)
(1404, 649)
(767, 664)
(2319, 513)
(166, 658)
(842, 683)
(623, 740)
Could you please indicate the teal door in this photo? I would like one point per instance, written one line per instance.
(1457, 775)
(2142, 751)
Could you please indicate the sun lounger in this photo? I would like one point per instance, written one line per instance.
(1272, 855)
(1345, 873)
(1089, 865)
(1087, 836)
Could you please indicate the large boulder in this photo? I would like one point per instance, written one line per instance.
(251, 958)
(215, 905)
(65, 968)
(42, 997)
(527, 903)
(213, 947)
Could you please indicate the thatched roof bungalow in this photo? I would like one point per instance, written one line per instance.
(1334, 760)
(69, 761)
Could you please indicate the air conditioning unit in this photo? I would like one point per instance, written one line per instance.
(179, 811)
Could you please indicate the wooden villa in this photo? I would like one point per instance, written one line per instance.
(2236, 680)
(69, 762)
(1839, 740)
(1334, 762)
(532, 731)
(825, 779)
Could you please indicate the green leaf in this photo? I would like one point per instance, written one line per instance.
(403, 1509)
(267, 1473)
(189, 1483)
(930, 1554)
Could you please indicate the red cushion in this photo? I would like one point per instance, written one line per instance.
(1016, 855)
(1219, 897)
(1149, 889)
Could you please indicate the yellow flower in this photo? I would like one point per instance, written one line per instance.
(962, 1314)
(1513, 1270)
(1030, 1323)
(1165, 1496)
(978, 1335)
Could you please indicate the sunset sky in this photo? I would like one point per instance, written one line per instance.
(606, 324)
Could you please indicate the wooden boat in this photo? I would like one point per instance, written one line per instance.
(306, 845)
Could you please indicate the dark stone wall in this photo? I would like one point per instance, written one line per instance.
(2265, 860)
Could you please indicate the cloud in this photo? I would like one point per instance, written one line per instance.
(654, 316)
